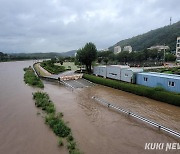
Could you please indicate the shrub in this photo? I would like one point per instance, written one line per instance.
(55, 121)
(70, 138)
(31, 79)
(60, 142)
(50, 67)
(155, 93)
(71, 145)
(42, 101)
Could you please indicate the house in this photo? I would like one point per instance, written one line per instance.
(169, 82)
(129, 75)
(100, 71)
(178, 49)
(127, 48)
(117, 49)
(159, 47)
(114, 71)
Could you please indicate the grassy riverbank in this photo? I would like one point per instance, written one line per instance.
(31, 79)
(153, 93)
(50, 67)
(55, 121)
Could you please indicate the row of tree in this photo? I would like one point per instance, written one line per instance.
(126, 57)
(88, 54)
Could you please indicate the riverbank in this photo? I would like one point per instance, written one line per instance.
(40, 70)
(51, 67)
(31, 79)
(153, 93)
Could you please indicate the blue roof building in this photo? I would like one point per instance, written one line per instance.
(169, 82)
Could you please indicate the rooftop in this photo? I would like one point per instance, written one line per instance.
(120, 66)
(135, 69)
(162, 75)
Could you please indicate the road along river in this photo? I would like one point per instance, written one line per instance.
(96, 128)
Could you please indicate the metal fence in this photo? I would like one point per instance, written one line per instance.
(159, 126)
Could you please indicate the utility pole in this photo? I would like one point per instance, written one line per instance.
(170, 20)
(164, 54)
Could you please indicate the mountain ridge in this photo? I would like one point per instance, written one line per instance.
(165, 35)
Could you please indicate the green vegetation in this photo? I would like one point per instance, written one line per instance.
(40, 71)
(50, 67)
(42, 101)
(87, 55)
(140, 58)
(68, 65)
(60, 142)
(55, 121)
(166, 35)
(174, 70)
(31, 79)
(13, 57)
(154, 93)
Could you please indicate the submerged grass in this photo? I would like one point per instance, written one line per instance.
(55, 121)
(157, 93)
(31, 79)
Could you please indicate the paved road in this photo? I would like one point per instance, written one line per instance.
(80, 83)
(66, 73)
(156, 67)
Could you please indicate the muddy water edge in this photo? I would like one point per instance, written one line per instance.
(96, 129)
(103, 131)
(22, 131)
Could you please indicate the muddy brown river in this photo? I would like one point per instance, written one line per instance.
(97, 129)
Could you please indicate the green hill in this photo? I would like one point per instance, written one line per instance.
(165, 35)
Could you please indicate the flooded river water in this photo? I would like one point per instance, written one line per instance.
(97, 129)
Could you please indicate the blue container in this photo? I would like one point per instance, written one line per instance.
(169, 82)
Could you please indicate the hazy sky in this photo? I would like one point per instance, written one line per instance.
(62, 25)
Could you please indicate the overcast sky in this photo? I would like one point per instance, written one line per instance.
(63, 25)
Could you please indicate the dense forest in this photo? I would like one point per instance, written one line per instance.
(166, 35)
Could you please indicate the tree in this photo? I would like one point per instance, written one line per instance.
(170, 57)
(61, 59)
(87, 55)
(106, 60)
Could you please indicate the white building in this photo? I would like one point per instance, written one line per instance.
(178, 49)
(117, 49)
(127, 48)
(159, 47)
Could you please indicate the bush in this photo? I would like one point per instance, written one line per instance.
(55, 121)
(42, 101)
(155, 93)
(70, 138)
(50, 67)
(60, 142)
(31, 79)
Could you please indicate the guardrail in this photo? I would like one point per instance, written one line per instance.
(161, 127)
(67, 85)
